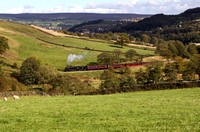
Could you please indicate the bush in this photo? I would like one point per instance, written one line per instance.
(130, 54)
(69, 85)
(16, 86)
(46, 88)
(15, 65)
(45, 74)
(3, 84)
(28, 71)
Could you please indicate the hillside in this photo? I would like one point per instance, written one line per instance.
(147, 24)
(64, 20)
(161, 20)
(69, 16)
(97, 26)
(26, 41)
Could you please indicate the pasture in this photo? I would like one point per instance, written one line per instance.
(23, 43)
(93, 45)
(167, 110)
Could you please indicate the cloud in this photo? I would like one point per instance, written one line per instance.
(120, 6)
(22, 9)
(145, 7)
(15, 10)
(28, 7)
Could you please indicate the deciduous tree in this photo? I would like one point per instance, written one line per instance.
(130, 54)
(145, 38)
(141, 76)
(122, 40)
(170, 72)
(154, 72)
(109, 80)
(28, 71)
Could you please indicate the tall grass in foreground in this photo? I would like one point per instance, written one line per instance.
(168, 110)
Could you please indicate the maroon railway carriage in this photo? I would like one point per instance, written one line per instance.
(136, 64)
(103, 67)
(97, 67)
(117, 65)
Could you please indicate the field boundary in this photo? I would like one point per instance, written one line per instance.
(146, 87)
(86, 48)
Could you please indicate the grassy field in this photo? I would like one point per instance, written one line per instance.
(53, 55)
(93, 45)
(168, 110)
(23, 43)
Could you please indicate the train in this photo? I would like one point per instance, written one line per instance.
(102, 67)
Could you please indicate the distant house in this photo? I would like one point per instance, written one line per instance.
(85, 31)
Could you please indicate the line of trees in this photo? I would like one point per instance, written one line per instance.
(33, 73)
(172, 49)
(156, 72)
(116, 57)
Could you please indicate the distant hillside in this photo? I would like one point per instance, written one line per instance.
(147, 24)
(70, 16)
(57, 21)
(161, 20)
(97, 26)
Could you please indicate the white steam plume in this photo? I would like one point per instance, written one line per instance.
(73, 57)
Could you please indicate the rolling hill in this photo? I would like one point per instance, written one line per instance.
(25, 41)
(64, 20)
(161, 20)
(147, 24)
(70, 16)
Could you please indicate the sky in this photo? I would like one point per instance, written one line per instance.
(97, 6)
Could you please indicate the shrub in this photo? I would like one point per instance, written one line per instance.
(46, 88)
(28, 71)
(16, 86)
(130, 54)
(3, 84)
(45, 74)
(69, 85)
(15, 65)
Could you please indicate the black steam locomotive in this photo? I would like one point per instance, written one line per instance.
(102, 67)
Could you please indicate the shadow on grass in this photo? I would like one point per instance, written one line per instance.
(115, 46)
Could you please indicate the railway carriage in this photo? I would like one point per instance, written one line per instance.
(102, 67)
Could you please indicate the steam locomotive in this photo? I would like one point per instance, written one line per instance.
(102, 67)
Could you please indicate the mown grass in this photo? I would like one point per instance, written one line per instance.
(168, 110)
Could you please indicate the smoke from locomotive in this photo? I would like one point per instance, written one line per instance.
(73, 57)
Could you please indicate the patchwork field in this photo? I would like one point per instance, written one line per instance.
(23, 43)
(168, 110)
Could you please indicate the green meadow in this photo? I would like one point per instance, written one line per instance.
(167, 110)
(23, 44)
(93, 45)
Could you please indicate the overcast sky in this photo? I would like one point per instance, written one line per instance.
(98, 6)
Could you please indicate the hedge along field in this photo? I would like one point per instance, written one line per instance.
(167, 110)
(93, 45)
